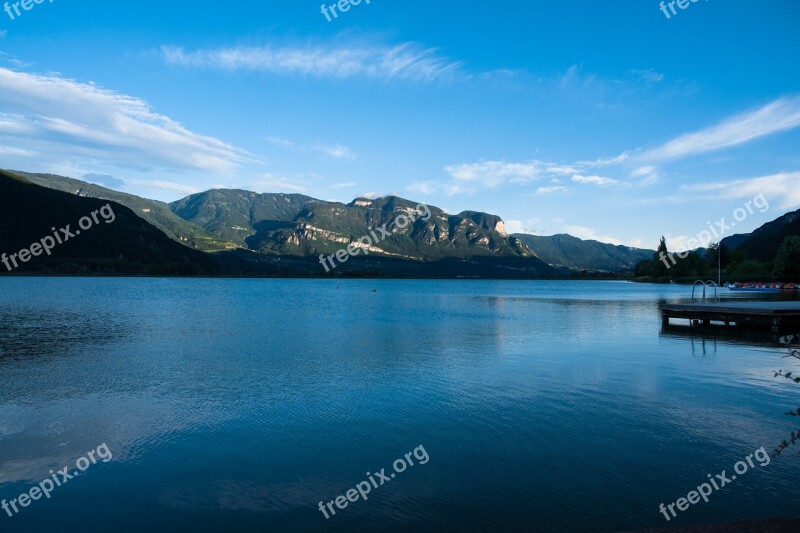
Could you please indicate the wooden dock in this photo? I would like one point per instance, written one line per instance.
(779, 316)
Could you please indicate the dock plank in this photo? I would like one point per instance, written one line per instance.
(777, 315)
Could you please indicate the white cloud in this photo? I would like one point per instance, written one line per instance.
(643, 171)
(338, 151)
(678, 243)
(470, 177)
(782, 189)
(275, 183)
(423, 187)
(167, 186)
(21, 152)
(278, 141)
(343, 185)
(645, 176)
(522, 226)
(600, 181)
(781, 115)
(602, 162)
(515, 226)
(648, 75)
(564, 170)
(550, 190)
(408, 61)
(494, 173)
(428, 188)
(452, 189)
(58, 119)
(583, 232)
(104, 180)
(13, 61)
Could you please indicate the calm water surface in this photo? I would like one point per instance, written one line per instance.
(238, 405)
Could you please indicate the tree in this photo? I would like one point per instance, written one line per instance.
(690, 266)
(792, 343)
(738, 257)
(661, 259)
(718, 249)
(748, 267)
(643, 269)
(672, 266)
(655, 267)
(787, 263)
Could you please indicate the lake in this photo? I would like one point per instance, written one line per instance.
(240, 405)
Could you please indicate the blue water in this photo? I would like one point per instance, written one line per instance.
(239, 405)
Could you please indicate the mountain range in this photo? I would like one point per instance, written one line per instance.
(576, 254)
(273, 234)
(763, 243)
(295, 224)
(127, 245)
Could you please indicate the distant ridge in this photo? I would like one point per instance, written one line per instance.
(571, 252)
(156, 213)
(275, 225)
(763, 243)
(128, 245)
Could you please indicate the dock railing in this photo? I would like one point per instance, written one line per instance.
(705, 284)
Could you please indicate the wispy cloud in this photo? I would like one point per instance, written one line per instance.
(166, 186)
(407, 61)
(13, 61)
(105, 180)
(278, 141)
(594, 180)
(276, 183)
(550, 190)
(780, 115)
(57, 119)
(646, 175)
(523, 226)
(639, 168)
(21, 152)
(783, 189)
(644, 171)
(430, 187)
(565, 170)
(426, 188)
(469, 178)
(343, 185)
(337, 151)
(586, 233)
(649, 75)
(494, 173)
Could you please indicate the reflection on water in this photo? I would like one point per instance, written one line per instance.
(37, 332)
(704, 340)
(240, 404)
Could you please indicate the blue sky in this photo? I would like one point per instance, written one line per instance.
(605, 120)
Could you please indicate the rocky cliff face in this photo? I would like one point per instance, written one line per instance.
(300, 225)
